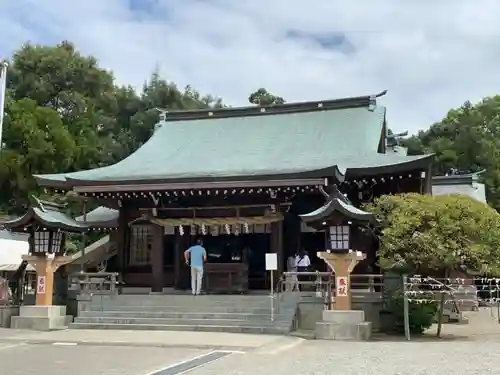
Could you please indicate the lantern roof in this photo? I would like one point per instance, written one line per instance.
(48, 215)
(337, 204)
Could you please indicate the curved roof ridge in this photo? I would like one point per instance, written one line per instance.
(272, 109)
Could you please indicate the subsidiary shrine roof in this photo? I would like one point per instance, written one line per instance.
(100, 217)
(320, 139)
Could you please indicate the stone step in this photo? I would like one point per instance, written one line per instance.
(183, 298)
(206, 309)
(182, 321)
(192, 302)
(199, 328)
(175, 315)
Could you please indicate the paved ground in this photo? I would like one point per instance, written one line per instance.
(467, 349)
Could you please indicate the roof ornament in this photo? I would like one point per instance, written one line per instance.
(373, 100)
(162, 118)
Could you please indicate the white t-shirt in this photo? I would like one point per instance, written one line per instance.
(302, 261)
(291, 264)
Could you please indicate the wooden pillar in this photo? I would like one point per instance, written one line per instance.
(121, 240)
(157, 258)
(280, 248)
(342, 265)
(177, 257)
(428, 181)
(277, 244)
(45, 268)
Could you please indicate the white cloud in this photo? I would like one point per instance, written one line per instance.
(431, 55)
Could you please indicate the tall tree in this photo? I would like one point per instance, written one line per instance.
(466, 140)
(263, 97)
(64, 113)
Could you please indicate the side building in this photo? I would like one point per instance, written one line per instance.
(241, 178)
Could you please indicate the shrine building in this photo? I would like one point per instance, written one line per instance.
(244, 179)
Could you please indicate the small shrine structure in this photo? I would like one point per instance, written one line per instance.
(47, 225)
(345, 228)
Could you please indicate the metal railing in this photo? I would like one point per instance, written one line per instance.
(320, 283)
(323, 285)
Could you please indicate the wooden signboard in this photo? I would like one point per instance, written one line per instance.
(40, 286)
(342, 286)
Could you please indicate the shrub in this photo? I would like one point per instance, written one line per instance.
(421, 314)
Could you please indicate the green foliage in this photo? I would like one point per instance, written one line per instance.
(263, 97)
(65, 113)
(467, 140)
(423, 232)
(421, 315)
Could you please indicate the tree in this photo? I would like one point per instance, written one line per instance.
(437, 233)
(466, 140)
(65, 113)
(263, 97)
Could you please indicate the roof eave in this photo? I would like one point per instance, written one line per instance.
(422, 163)
(32, 217)
(313, 177)
(334, 205)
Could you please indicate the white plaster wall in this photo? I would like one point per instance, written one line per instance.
(475, 190)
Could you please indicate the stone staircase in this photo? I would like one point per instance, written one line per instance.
(208, 313)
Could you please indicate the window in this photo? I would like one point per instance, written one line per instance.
(42, 242)
(140, 244)
(339, 237)
(57, 242)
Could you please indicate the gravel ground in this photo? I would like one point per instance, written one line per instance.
(373, 358)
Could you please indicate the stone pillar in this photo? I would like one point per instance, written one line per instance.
(157, 258)
(342, 264)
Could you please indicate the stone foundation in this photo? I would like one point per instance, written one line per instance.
(41, 318)
(6, 313)
(343, 325)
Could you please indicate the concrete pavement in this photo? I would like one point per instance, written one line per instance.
(160, 339)
(463, 350)
(24, 359)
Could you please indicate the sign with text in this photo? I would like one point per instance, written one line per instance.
(40, 286)
(271, 262)
(342, 286)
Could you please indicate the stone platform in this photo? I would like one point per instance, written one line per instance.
(41, 318)
(343, 325)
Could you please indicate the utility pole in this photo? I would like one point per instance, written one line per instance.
(3, 89)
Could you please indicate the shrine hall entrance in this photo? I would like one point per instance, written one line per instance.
(242, 255)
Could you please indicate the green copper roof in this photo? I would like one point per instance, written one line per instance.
(307, 139)
(337, 203)
(48, 215)
(102, 217)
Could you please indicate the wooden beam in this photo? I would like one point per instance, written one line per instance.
(199, 185)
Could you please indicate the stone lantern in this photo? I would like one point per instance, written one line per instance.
(47, 225)
(337, 217)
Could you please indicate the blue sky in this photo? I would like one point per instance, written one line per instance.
(431, 55)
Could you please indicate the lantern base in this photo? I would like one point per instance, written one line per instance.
(41, 318)
(344, 325)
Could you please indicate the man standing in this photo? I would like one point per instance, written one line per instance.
(198, 256)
